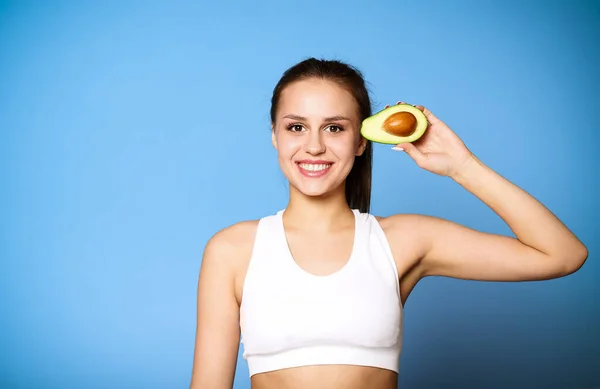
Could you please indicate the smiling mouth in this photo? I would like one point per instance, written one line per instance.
(314, 169)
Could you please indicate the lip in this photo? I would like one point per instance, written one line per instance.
(316, 162)
(313, 174)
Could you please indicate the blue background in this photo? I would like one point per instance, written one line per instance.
(133, 131)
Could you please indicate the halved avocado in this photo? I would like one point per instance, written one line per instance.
(400, 123)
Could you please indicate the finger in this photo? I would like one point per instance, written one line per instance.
(412, 151)
(431, 118)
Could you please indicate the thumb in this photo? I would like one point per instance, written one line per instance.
(412, 151)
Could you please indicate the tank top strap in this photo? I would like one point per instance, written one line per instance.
(379, 250)
(266, 241)
(361, 233)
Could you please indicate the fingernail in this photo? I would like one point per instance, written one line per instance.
(397, 148)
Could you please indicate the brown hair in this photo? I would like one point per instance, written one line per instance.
(358, 182)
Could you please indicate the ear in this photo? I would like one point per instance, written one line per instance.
(362, 145)
(273, 137)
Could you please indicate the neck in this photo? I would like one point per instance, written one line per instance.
(318, 213)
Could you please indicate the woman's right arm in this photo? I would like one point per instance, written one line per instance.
(217, 328)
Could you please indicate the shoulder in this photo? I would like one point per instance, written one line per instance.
(404, 223)
(232, 236)
(228, 250)
(413, 231)
(228, 243)
(227, 255)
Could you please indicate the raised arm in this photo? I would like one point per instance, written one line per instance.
(544, 247)
(217, 331)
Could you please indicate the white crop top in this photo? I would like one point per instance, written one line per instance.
(292, 318)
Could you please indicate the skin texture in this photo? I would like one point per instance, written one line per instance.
(319, 229)
(317, 126)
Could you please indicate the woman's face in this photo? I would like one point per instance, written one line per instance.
(317, 135)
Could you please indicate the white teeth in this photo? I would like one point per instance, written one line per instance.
(314, 167)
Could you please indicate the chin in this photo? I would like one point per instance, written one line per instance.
(311, 191)
(315, 188)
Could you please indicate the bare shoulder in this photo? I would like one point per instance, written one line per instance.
(420, 229)
(233, 236)
(407, 221)
(228, 247)
(409, 236)
(415, 227)
(217, 329)
(228, 253)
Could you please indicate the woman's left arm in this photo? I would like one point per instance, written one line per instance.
(544, 247)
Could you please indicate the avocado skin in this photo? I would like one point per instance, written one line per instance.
(372, 130)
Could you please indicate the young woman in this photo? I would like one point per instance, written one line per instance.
(317, 291)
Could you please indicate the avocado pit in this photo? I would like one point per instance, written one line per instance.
(400, 124)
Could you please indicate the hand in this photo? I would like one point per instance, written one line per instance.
(439, 150)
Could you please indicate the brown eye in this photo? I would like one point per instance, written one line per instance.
(335, 129)
(294, 127)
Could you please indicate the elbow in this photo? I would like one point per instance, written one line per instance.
(575, 259)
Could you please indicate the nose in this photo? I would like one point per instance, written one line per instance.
(314, 144)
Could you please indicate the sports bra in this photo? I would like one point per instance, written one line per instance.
(291, 318)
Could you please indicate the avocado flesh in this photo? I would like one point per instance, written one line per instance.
(373, 128)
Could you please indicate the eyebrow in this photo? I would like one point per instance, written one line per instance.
(327, 119)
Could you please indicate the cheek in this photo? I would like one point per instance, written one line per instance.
(344, 148)
(287, 145)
